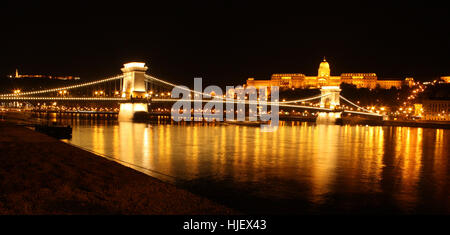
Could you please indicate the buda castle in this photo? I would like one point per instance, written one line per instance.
(324, 78)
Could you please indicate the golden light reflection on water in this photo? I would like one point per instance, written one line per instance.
(98, 139)
(307, 161)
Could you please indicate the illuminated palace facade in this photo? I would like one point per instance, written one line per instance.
(324, 78)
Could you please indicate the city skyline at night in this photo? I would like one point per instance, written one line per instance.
(225, 116)
(238, 40)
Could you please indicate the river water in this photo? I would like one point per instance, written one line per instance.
(302, 168)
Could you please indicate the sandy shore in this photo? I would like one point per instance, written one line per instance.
(41, 175)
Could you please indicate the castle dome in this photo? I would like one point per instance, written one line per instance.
(324, 69)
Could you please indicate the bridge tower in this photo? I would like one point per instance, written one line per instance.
(134, 89)
(133, 85)
(331, 99)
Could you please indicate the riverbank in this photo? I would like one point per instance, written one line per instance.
(41, 175)
(401, 123)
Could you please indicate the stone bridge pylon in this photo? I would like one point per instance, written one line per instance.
(330, 96)
(134, 89)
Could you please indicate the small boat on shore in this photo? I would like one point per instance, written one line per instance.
(57, 131)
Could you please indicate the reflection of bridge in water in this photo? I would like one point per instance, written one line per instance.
(138, 90)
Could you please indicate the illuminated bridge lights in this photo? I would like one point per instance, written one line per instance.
(18, 95)
(64, 98)
(247, 102)
(64, 88)
(227, 99)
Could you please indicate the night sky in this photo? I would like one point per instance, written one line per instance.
(224, 41)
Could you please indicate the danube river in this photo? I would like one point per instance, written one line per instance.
(302, 168)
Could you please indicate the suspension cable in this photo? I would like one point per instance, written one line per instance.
(156, 79)
(354, 104)
(228, 99)
(65, 88)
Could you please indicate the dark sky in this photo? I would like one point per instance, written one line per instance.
(224, 41)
